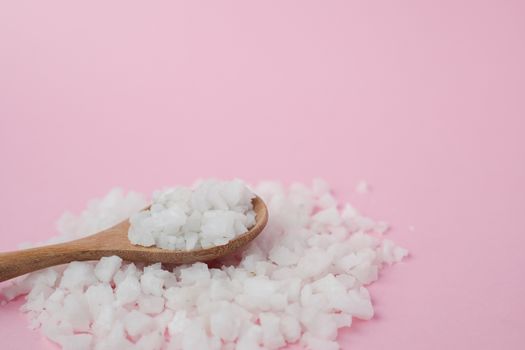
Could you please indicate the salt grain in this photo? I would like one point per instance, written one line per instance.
(362, 187)
(107, 267)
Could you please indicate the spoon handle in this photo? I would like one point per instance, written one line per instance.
(13, 264)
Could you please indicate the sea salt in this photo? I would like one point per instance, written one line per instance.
(301, 280)
(180, 218)
(362, 187)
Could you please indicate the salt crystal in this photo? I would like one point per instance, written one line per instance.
(76, 312)
(76, 342)
(107, 267)
(314, 343)
(150, 304)
(128, 290)
(271, 332)
(137, 323)
(99, 296)
(78, 275)
(362, 187)
(290, 328)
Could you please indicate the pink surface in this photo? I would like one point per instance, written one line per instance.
(425, 100)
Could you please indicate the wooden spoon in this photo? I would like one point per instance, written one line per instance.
(114, 241)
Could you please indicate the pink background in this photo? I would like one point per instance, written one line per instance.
(424, 99)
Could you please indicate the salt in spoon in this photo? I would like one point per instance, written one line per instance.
(114, 241)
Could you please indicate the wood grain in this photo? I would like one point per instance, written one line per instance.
(114, 241)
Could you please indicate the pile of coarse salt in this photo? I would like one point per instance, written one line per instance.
(182, 218)
(300, 281)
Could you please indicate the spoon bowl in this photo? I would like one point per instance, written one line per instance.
(114, 241)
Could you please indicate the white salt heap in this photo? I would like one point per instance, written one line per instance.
(182, 218)
(300, 281)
